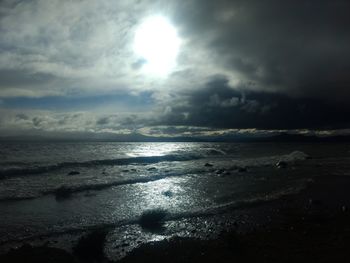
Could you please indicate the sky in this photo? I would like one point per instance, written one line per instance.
(174, 68)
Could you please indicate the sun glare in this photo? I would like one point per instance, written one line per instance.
(156, 41)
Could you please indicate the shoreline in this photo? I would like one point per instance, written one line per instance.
(313, 226)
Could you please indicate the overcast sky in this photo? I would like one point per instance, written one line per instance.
(71, 66)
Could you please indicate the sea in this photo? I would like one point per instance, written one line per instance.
(52, 193)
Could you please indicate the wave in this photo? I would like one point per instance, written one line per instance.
(65, 191)
(214, 151)
(18, 169)
(205, 212)
(120, 161)
(245, 203)
(27, 169)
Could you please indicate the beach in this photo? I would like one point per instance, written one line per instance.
(307, 227)
(305, 220)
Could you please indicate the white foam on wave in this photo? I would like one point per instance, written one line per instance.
(214, 151)
(32, 169)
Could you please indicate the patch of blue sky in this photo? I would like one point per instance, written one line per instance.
(59, 103)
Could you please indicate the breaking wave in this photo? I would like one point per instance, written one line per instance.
(67, 189)
(92, 163)
(18, 169)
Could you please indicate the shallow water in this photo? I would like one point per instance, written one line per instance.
(115, 182)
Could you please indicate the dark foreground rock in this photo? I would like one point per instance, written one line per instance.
(153, 219)
(29, 254)
(90, 247)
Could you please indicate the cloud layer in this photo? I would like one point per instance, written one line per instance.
(242, 65)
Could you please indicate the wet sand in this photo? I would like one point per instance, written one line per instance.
(312, 226)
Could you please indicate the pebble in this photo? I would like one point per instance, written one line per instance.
(242, 169)
(344, 208)
(73, 173)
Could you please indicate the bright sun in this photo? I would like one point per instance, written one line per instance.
(156, 41)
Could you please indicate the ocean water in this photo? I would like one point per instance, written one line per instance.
(55, 189)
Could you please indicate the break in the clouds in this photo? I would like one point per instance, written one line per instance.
(266, 65)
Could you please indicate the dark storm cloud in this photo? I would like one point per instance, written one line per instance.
(220, 106)
(294, 47)
(129, 121)
(177, 130)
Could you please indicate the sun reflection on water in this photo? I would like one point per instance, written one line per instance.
(159, 149)
(163, 194)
